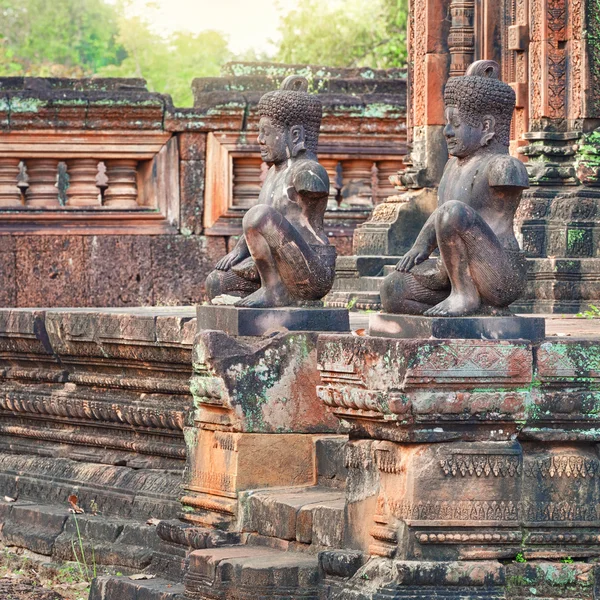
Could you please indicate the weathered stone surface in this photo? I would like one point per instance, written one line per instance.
(381, 580)
(52, 271)
(192, 176)
(34, 527)
(94, 403)
(223, 464)
(260, 321)
(434, 390)
(259, 385)
(131, 282)
(252, 573)
(485, 328)
(394, 225)
(310, 516)
(111, 588)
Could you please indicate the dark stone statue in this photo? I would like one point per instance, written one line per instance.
(481, 269)
(284, 257)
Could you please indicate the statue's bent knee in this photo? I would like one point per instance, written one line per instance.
(257, 216)
(454, 215)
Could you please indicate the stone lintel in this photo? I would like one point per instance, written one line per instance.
(487, 328)
(261, 321)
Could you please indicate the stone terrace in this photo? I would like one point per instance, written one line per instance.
(276, 500)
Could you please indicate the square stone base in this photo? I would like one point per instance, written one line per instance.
(486, 328)
(259, 321)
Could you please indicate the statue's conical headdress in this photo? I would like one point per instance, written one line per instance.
(479, 93)
(293, 105)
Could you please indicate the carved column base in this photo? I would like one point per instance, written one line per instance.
(465, 451)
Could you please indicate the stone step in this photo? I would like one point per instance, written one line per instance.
(123, 588)
(52, 530)
(354, 300)
(250, 573)
(312, 516)
(358, 284)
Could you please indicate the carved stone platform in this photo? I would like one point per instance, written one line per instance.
(261, 321)
(469, 328)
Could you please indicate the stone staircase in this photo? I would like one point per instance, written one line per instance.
(283, 534)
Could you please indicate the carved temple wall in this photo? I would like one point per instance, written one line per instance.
(548, 52)
(111, 196)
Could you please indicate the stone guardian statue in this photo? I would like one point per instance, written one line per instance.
(284, 257)
(480, 269)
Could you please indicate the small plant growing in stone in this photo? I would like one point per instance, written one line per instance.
(567, 560)
(593, 312)
(520, 558)
(88, 572)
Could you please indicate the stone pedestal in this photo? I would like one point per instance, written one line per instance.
(395, 224)
(261, 321)
(486, 328)
(467, 449)
(257, 416)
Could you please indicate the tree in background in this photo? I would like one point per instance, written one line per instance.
(167, 63)
(82, 38)
(349, 33)
(70, 38)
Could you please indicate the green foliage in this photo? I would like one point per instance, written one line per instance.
(68, 38)
(593, 312)
(520, 558)
(83, 38)
(168, 64)
(87, 572)
(347, 34)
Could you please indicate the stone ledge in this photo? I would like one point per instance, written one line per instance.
(475, 327)
(261, 321)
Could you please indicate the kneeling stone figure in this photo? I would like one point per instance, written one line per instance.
(481, 269)
(284, 257)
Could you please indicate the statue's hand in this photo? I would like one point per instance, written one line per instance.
(414, 256)
(228, 261)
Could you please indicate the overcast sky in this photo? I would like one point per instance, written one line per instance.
(247, 23)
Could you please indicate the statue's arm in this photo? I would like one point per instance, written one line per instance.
(239, 253)
(507, 171)
(421, 250)
(311, 181)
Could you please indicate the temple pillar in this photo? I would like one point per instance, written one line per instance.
(397, 220)
(559, 213)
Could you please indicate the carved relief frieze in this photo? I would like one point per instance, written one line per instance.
(484, 537)
(572, 467)
(481, 465)
(455, 510)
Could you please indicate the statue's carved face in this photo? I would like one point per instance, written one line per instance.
(273, 140)
(463, 139)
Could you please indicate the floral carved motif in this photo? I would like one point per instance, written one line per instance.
(481, 465)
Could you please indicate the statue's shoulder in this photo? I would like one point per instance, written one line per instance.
(309, 176)
(505, 170)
